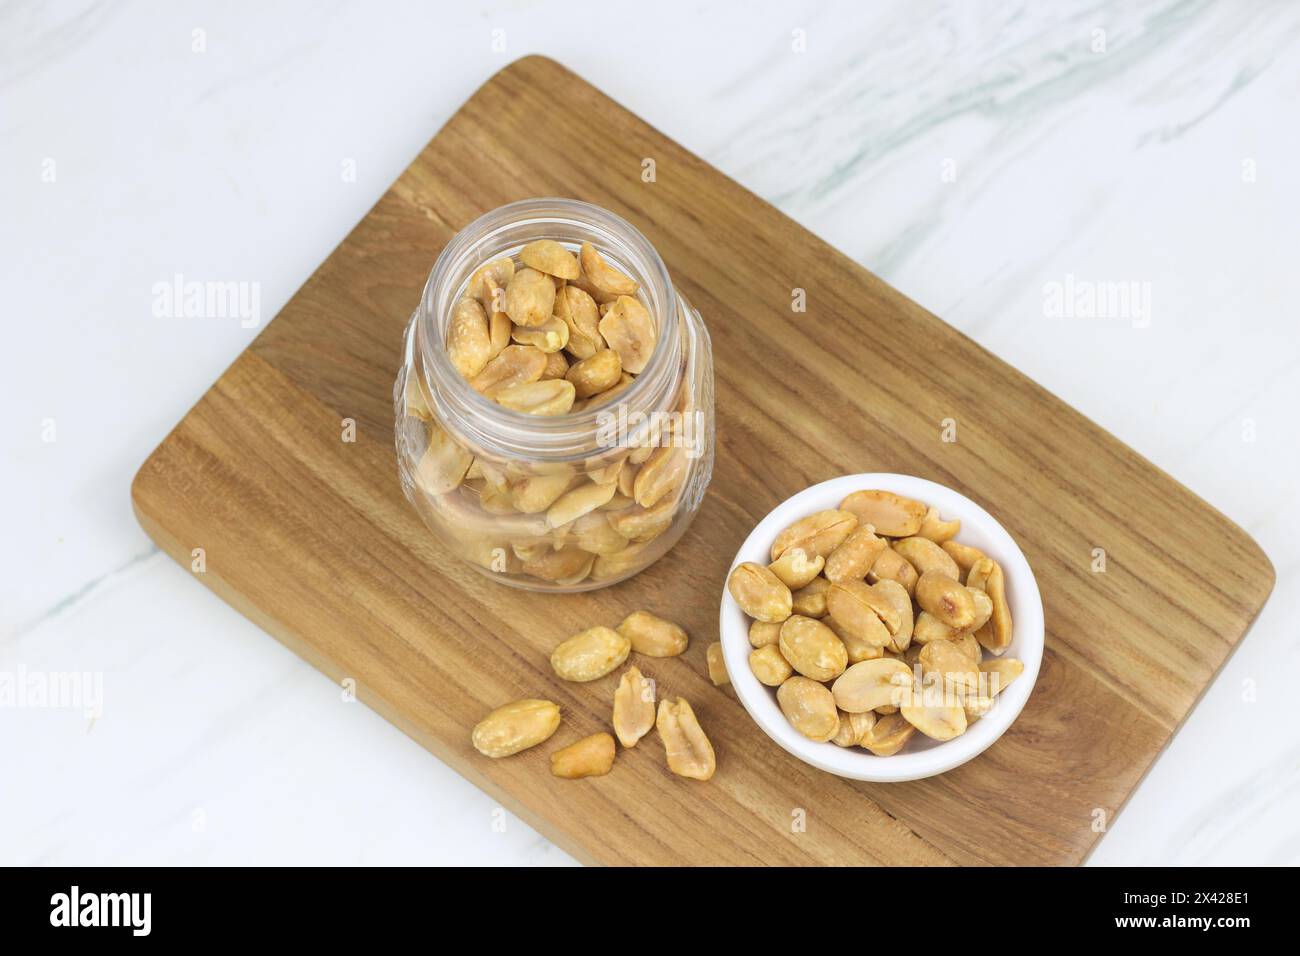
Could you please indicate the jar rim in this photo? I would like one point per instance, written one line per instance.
(508, 432)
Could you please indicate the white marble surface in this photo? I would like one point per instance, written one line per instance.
(216, 745)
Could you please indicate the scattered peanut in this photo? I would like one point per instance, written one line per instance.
(653, 636)
(717, 665)
(634, 707)
(590, 757)
(590, 654)
(515, 727)
(689, 752)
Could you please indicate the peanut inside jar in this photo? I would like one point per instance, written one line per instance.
(558, 330)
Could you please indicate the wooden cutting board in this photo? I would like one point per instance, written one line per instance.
(311, 537)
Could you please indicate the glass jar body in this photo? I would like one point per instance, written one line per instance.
(564, 503)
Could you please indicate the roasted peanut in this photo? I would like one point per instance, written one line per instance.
(610, 566)
(796, 569)
(443, 465)
(662, 472)
(500, 329)
(634, 707)
(929, 628)
(547, 255)
(900, 622)
(578, 502)
(535, 493)
(854, 557)
(469, 344)
(809, 707)
(936, 529)
(888, 735)
(983, 608)
(1000, 673)
(487, 284)
(596, 373)
(653, 636)
(967, 644)
(964, 555)
(643, 524)
(515, 365)
(549, 337)
(995, 635)
(551, 397)
(717, 664)
(769, 666)
(567, 566)
(892, 566)
(924, 555)
(891, 515)
(871, 684)
(810, 601)
(557, 366)
(812, 648)
(530, 297)
(853, 606)
(937, 722)
(590, 654)
(606, 282)
(853, 728)
(630, 332)
(576, 309)
(515, 727)
(763, 633)
(946, 599)
(611, 393)
(689, 752)
(817, 535)
(590, 757)
(759, 592)
(952, 665)
(855, 646)
(592, 532)
(416, 403)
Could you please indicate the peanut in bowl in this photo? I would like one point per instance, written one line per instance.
(995, 634)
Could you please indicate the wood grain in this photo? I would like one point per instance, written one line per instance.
(311, 538)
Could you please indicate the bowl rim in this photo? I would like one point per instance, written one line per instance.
(854, 762)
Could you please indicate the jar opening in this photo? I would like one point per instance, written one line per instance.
(504, 432)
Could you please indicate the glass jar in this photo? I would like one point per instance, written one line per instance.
(477, 471)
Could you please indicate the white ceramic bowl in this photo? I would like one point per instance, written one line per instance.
(922, 757)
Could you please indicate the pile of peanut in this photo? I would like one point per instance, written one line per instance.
(873, 622)
(556, 334)
(579, 334)
(588, 656)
